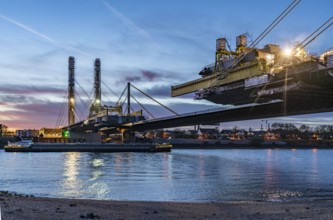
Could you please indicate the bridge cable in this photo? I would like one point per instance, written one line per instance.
(60, 118)
(60, 114)
(127, 105)
(275, 22)
(143, 107)
(75, 115)
(105, 96)
(267, 30)
(82, 112)
(109, 89)
(89, 101)
(118, 102)
(307, 41)
(83, 90)
(261, 36)
(123, 103)
(155, 100)
(108, 100)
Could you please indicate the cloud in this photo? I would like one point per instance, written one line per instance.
(29, 90)
(150, 75)
(133, 79)
(46, 108)
(144, 76)
(309, 119)
(29, 112)
(24, 107)
(160, 91)
(12, 99)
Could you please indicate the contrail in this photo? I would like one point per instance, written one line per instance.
(28, 29)
(130, 24)
(49, 39)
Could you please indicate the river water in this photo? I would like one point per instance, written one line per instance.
(180, 175)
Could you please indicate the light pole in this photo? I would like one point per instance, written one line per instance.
(266, 125)
(266, 122)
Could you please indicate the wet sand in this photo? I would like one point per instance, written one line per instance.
(14, 207)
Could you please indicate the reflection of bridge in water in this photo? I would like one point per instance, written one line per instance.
(101, 121)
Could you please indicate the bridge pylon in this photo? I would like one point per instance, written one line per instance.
(71, 90)
(95, 107)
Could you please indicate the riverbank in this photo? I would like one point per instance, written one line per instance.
(27, 207)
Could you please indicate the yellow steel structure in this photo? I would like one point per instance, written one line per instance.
(246, 70)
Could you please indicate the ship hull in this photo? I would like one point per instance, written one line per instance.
(308, 86)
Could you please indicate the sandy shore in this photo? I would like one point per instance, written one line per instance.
(15, 207)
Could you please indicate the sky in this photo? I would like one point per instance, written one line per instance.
(152, 44)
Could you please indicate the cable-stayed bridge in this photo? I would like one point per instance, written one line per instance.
(113, 119)
(258, 83)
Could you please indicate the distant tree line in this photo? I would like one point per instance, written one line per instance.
(289, 130)
(3, 130)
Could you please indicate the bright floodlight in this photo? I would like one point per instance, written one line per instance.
(287, 52)
(270, 59)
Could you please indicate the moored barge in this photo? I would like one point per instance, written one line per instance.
(88, 147)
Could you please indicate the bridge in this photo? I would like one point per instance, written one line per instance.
(274, 86)
(276, 108)
(101, 121)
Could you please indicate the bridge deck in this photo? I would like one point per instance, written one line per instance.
(237, 113)
(297, 104)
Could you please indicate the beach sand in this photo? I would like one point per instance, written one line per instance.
(16, 207)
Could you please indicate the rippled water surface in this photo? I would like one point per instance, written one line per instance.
(181, 175)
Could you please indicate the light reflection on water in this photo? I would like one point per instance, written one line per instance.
(182, 175)
(71, 183)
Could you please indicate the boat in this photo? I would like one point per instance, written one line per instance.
(24, 143)
(23, 146)
(260, 75)
(163, 147)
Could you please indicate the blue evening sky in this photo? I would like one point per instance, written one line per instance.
(153, 44)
